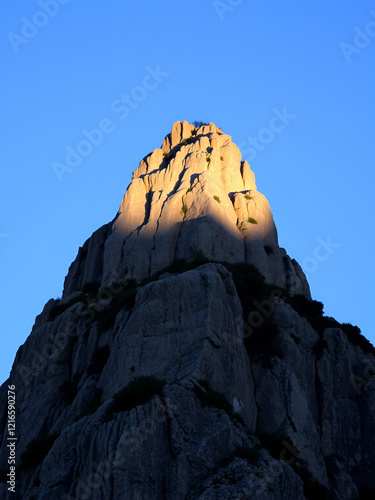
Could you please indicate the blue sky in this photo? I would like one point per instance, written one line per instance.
(68, 67)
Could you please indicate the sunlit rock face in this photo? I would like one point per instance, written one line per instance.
(192, 199)
(200, 383)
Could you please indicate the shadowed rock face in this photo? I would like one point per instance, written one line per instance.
(192, 199)
(259, 399)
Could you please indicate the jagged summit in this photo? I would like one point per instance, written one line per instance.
(201, 383)
(194, 198)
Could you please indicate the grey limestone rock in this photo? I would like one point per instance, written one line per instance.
(192, 199)
(241, 393)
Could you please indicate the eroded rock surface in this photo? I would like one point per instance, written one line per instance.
(192, 199)
(263, 397)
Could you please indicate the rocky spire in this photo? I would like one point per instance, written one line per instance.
(198, 384)
(192, 199)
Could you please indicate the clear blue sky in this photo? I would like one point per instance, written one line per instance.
(67, 70)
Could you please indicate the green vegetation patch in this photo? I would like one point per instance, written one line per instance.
(198, 124)
(138, 392)
(248, 280)
(98, 360)
(216, 198)
(306, 307)
(268, 249)
(252, 220)
(260, 340)
(352, 332)
(91, 287)
(185, 142)
(122, 300)
(355, 337)
(59, 307)
(38, 449)
(176, 149)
